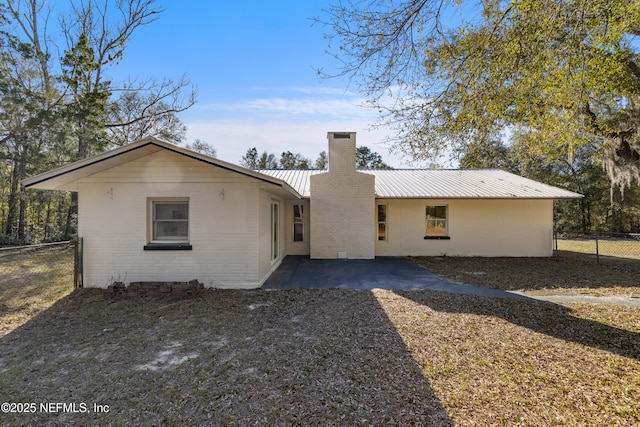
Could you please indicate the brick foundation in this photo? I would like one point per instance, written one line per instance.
(155, 289)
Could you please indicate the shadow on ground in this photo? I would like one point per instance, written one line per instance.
(300, 357)
(565, 271)
(540, 316)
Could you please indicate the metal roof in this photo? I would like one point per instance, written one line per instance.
(60, 177)
(439, 184)
(389, 183)
(299, 179)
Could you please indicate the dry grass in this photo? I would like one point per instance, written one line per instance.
(567, 273)
(31, 281)
(605, 247)
(325, 357)
(501, 362)
(227, 358)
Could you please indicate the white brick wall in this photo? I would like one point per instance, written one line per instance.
(476, 228)
(224, 224)
(342, 205)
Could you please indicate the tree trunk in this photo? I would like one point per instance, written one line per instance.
(586, 215)
(47, 221)
(22, 195)
(71, 228)
(12, 200)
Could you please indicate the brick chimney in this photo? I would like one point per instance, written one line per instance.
(342, 221)
(342, 151)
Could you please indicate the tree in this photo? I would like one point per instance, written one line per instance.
(267, 161)
(252, 160)
(54, 110)
(142, 108)
(322, 161)
(85, 112)
(559, 74)
(288, 160)
(492, 154)
(148, 110)
(26, 97)
(367, 159)
(202, 147)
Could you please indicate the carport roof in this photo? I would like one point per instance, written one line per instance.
(439, 184)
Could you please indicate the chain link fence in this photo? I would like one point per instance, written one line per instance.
(54, 264)
(618, 245)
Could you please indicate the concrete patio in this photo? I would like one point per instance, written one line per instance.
(397, 273)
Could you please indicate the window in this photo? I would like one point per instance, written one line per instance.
(275, 241)
(436, 222)
(298, 223)
(169, 224)
(382, 222)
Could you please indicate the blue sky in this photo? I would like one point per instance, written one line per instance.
(254, 63)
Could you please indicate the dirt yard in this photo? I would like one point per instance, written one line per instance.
(568, 273)
(327, 357)
(322, 357)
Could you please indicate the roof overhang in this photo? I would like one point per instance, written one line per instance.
(62, 178)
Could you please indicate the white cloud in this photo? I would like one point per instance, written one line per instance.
(289, 107)
(232, 137)
(310, 90)
(277, 124)
(328, 108)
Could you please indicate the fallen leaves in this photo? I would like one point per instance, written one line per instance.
(326, 357)
(568, 273)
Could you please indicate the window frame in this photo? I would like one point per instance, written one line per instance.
(435, 220)
(385, 223)
(275, 230)
(299, 221)
(179, 242)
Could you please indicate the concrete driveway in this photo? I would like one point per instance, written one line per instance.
(386, 273)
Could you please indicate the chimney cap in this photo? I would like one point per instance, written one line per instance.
(341, 135)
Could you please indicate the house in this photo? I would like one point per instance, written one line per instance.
(153, 211)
